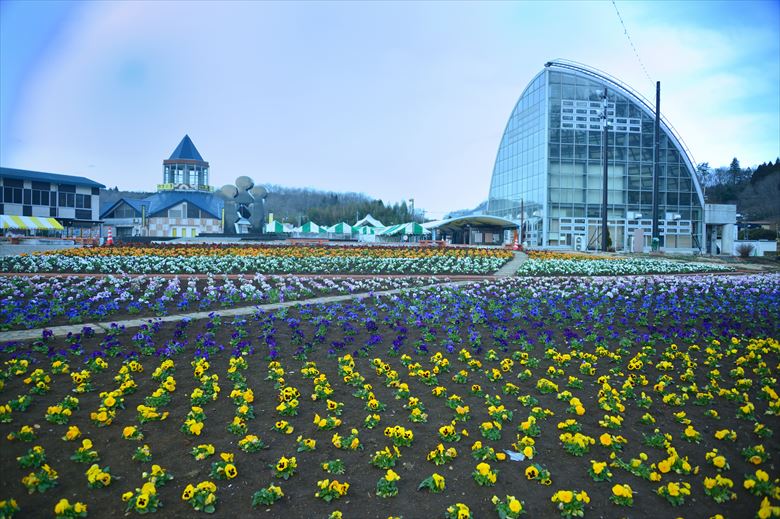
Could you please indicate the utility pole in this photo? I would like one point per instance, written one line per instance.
(656, 239)
(605, 185)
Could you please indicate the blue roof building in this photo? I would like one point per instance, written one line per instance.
(72, 200)
(206, 205)
(52, 178)
(184, 205)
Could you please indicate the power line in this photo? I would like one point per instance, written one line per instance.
(631, 42)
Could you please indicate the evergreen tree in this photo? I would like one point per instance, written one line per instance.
(735, 172)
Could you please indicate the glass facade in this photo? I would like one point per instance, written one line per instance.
(549, 166)
(191, 174)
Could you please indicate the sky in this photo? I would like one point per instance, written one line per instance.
(397, 100)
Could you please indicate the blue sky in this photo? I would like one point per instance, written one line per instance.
(396, 100)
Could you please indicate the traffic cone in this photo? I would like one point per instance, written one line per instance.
(516, 244)
(109, 239)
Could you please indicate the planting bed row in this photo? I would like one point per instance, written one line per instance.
(36, 301)
(648, 397)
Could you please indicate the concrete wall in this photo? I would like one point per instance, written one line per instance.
(760, 247)
(720, 214)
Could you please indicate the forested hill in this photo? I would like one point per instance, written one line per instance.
(296, 205)
(756, 192)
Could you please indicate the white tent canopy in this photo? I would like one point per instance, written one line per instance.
(369, 220)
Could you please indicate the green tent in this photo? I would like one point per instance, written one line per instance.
(387, 231)
(309, 227)
(365, 230)
(274, 226)
(413, 228)
(341, 228)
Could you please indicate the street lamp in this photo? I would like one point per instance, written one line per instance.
(604, 150)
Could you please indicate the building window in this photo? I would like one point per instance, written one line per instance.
(12, 195)
(123, 211)
(66, 199)
(178, 211)
(83, 214)
(193, 211)
(40, 197)
(84, 201)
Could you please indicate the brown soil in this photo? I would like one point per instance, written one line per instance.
(170, 447)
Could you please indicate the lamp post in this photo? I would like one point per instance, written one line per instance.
(656, 239)
(605, 185)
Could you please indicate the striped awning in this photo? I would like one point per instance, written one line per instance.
(10, 221)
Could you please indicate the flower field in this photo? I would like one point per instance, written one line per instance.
(609, 397)
(36, 301)
(565, 255)
(552, 264)
(268, 259)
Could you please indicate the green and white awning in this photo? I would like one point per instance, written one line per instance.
(274, 226)
(404, 228)
(341, 228)
(310, 227)
(365, 230)
(8, 221)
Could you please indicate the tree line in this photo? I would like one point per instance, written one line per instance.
(756, 192)
(300, 205)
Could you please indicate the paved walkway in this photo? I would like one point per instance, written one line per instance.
(511, 267)
(100, 328)
(6, 249)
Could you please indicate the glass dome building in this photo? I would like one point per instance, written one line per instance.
(549, 171)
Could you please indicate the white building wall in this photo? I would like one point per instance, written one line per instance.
(161, 227)
(41, 210)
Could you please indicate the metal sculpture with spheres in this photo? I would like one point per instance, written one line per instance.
(244, 206)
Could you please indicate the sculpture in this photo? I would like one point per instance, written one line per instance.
(244, 206)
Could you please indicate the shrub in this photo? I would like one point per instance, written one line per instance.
(762, 234)
(745, 249)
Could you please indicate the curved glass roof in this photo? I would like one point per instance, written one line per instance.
(641, 101)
